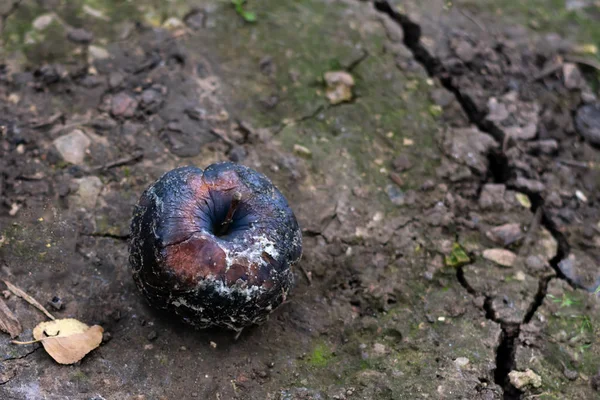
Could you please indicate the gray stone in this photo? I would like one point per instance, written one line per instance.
(581, 269)
(529, 185)
(547, 146)
(492, 196)
(513, 117)
(80, 36)
(123, 105)
(73, 146)
(395, 194)
(115, 79)
(97, 53)
(401, 163)
(43, 21)
(505, 235)
(87, 192)
(587, 122)
(469, 146)
(502, 257)
(572, 76)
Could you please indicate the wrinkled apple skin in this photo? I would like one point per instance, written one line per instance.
(184, 262)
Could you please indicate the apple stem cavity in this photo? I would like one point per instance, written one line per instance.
(235, 201)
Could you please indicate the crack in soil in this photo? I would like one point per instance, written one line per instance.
(500, 172)
(506, 350)
(110, 236)
(324, 108)
(36, 348)
(7, 360)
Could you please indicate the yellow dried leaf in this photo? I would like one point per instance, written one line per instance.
(339, 86)
(587, 48)
(67, 340)
(523, 200)
(59, 327)
(70, 349)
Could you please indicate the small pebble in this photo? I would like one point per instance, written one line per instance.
(379, 349)
(123, 105)
(80, 36)
(72, 147)
(97, 53)
(42, 22)
(152, 335)
(263, 374)
(461, 361)
(56, 303)
(401, 163)
(581, 196)
(528, 378)
(505, 258)
(302, 151)
(106, 337)
(519, 276)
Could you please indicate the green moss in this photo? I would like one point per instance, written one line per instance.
(79, 376)
(457, 257)
(104, 226)
(320, 356)
(163, 360)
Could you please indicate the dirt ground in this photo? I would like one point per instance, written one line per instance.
(450, 206)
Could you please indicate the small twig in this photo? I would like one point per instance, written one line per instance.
(583, 61)
(549, 70)
(472, 19)
(48, 122)
(20, 293)
(306, 273)
(218, 133)
(238, 334)
(578, 164)
(397, 179)
(121, 161)
(29, 342)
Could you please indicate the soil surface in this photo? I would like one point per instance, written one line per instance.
(446, 177)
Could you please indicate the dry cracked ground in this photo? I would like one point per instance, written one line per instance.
(447, 186)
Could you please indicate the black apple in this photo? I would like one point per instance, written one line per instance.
(215, 247)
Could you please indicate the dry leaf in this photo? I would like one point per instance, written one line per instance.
(59, 327)
(20, 293)
(70, 349)
(8, 321)
(339, 86)
(67, 340)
